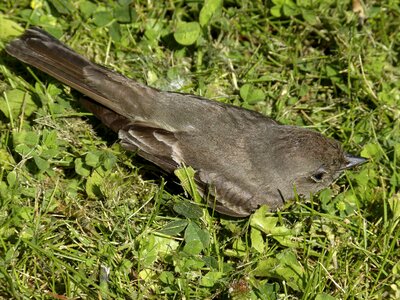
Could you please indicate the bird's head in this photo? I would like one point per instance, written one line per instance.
(309, 161)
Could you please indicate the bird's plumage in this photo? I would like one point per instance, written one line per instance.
(242, 158)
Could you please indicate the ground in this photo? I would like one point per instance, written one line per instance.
(82, 218)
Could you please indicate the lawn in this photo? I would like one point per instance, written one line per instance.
(81, 218)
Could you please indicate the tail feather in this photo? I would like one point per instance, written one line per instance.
(39, 49)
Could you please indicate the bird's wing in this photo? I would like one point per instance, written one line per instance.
(156, 144)
(223, 195)
(150, 140)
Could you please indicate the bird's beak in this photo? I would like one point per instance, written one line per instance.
(352, 161)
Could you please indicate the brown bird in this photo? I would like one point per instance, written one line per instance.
(242, 158)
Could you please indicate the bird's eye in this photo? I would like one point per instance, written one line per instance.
(318, 176)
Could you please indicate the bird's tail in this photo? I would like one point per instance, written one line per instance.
(39, 49)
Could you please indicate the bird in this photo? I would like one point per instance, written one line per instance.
(242, 159)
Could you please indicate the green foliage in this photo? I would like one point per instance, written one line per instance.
(187, 33)
(21, 103)
(210, 10)
(8, 28)
(251, 94)
(284, 267)
(82, 218)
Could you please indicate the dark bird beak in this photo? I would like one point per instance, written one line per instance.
(352, 161)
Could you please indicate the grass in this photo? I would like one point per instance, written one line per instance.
(82, 218)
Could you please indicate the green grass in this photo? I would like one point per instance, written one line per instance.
(82, 218)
